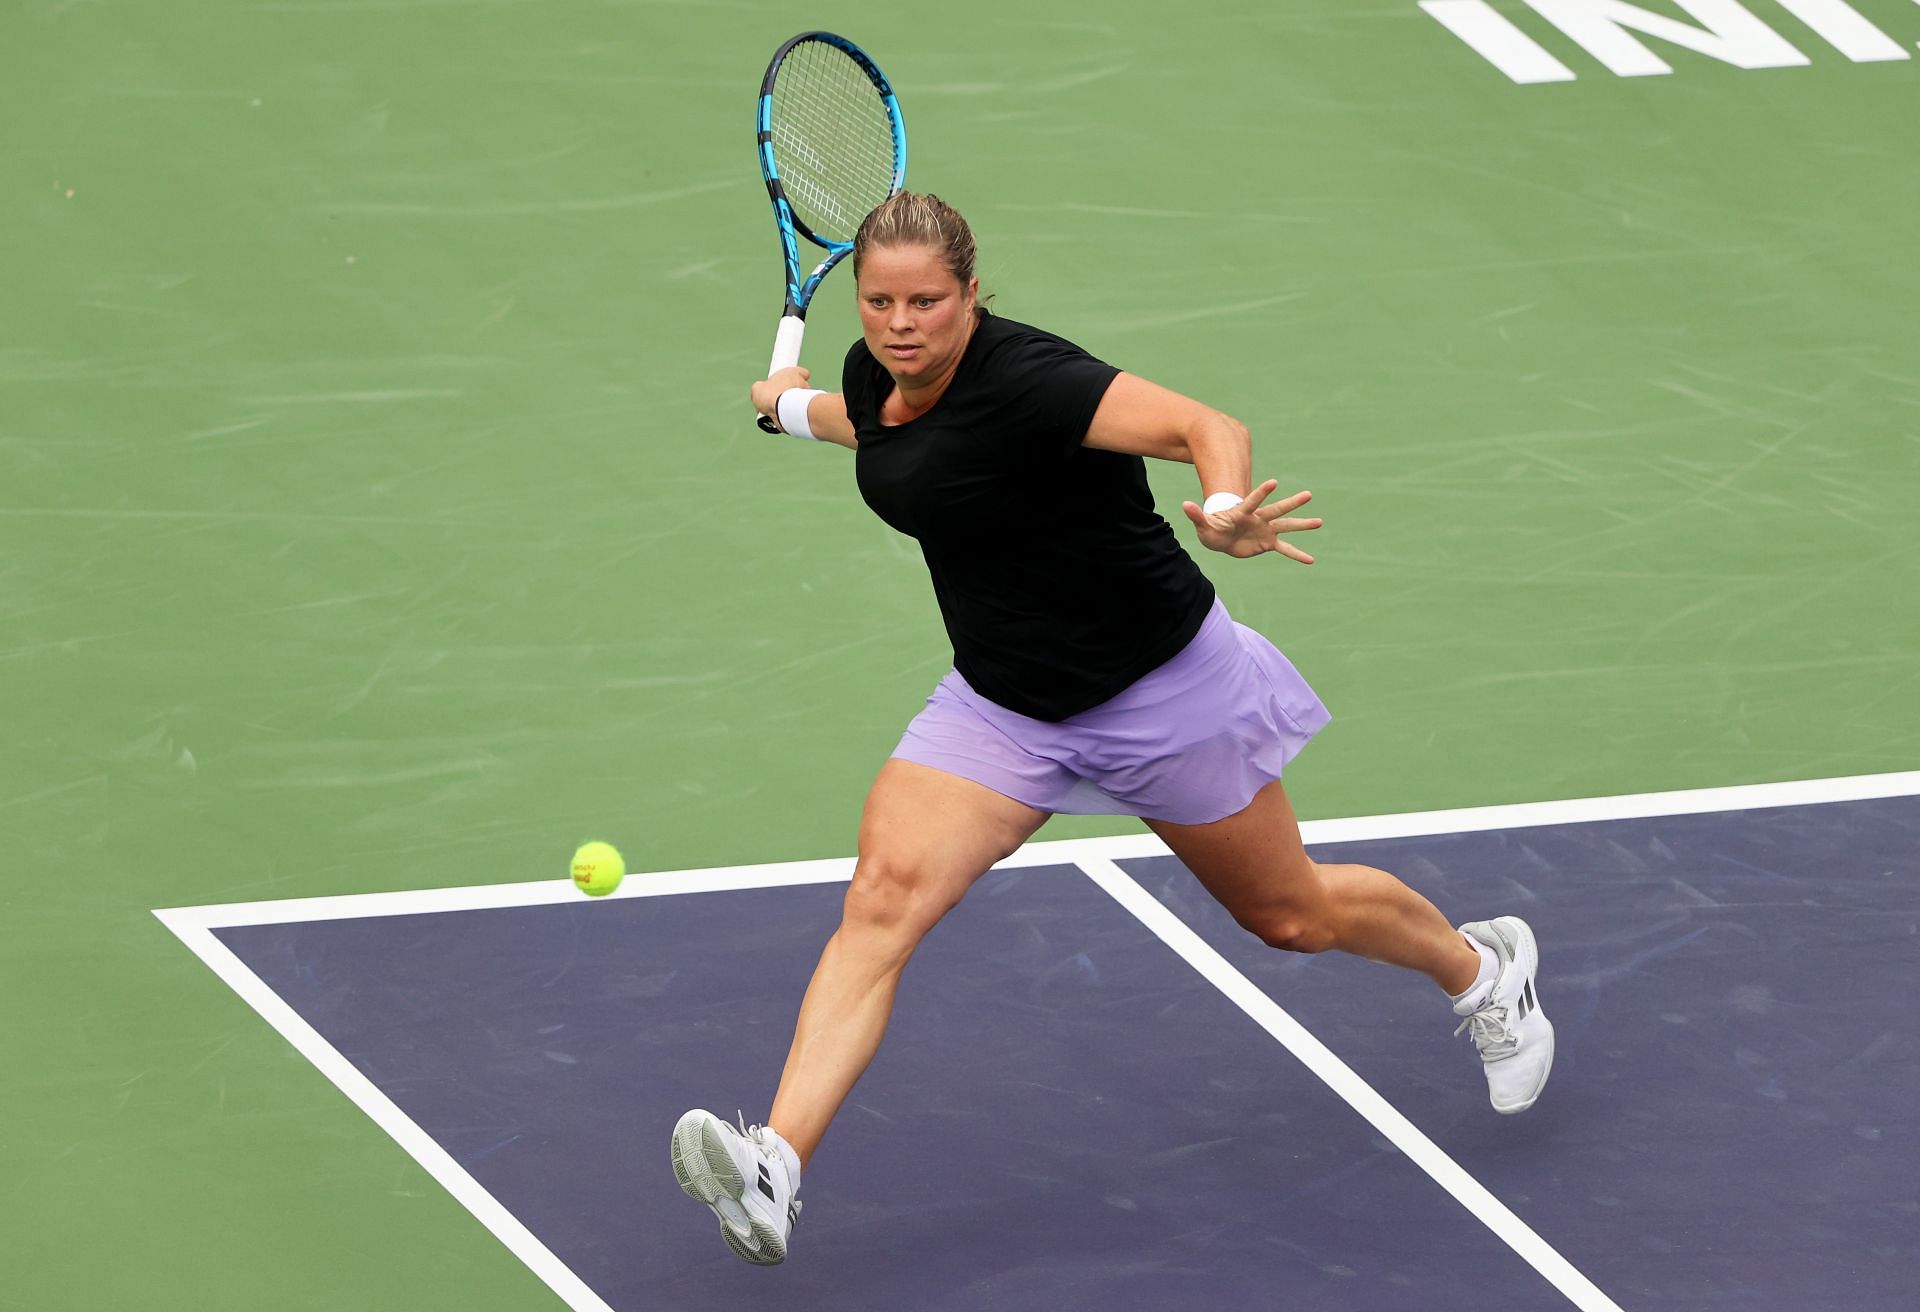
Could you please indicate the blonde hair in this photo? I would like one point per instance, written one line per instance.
(908, 218)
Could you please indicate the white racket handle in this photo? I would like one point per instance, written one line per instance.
(786, 344)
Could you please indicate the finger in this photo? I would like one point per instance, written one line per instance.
(1292, 552)
(1197, 515)
(1286, 507)
(1259, 494)
(1295, 525)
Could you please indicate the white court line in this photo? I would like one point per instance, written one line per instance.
(1631, 806)
(1354, 1091)
(1095, 857)
(1069, 851)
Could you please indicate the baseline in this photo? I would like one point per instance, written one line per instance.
(1069, 851)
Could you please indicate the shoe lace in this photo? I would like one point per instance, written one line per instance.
(762, 1137)
(1491, 1029)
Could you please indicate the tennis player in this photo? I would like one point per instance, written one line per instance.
(1094, 671)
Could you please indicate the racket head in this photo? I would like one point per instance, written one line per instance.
(833, 145)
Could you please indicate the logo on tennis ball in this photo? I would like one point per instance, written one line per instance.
(598, 869)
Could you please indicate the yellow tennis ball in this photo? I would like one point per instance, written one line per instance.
(598, 869)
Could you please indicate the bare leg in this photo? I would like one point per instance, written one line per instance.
(925, 839)
(1254, 864)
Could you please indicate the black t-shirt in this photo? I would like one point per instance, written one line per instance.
(1058, 582)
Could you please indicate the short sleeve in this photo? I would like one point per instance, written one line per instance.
(856, 384)
(1050, 388)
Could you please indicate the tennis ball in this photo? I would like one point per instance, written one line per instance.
(598, 869)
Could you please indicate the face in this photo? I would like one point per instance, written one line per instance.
(916, 316)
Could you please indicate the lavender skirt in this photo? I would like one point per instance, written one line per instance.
(1189, 743)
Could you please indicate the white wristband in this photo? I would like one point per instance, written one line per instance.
(791, 410)
(1218, 502)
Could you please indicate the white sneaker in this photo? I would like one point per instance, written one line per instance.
(745, 1178)
(1514, 1036)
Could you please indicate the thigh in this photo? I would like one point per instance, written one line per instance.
(935, 834)
(1253, 861)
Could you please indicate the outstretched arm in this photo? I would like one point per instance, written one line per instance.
(1140, 418)
(826, 411)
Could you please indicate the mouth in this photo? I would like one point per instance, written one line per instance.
(902, 350)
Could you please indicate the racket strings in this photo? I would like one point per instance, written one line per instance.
(833, 139)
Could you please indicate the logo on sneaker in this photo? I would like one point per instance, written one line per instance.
(1527, 1003)
(766, 1183)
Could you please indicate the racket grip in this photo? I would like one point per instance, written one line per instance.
(786, 344)
(786, 354)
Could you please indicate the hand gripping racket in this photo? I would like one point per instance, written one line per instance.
(832, 147)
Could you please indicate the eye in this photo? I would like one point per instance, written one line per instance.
(924, 302)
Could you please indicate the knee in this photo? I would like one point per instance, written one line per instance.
(890, 899)
(1291, 929)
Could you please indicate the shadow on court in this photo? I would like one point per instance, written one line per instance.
(1066, 1115)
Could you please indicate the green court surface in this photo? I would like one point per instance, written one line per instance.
(380, 506)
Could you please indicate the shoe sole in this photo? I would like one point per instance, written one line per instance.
(1514, 940)
(707, 1174)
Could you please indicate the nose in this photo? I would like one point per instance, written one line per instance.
(901, 320)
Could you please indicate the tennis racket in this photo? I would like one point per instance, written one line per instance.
(832, 147)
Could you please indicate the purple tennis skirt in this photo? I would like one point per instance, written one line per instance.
(1190, 743)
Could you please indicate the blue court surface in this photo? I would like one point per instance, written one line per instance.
(1077, 1106)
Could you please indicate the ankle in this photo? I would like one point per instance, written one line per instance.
(1474, 979)
(800, 1148)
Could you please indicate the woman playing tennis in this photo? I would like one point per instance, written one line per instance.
(1094, 671)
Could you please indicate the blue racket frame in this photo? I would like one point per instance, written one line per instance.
(799, 289)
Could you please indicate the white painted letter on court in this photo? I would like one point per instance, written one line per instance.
(1606, 29)
(1498, 41)
(1730, 34)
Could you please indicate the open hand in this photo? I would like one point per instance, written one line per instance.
(1251, 529)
